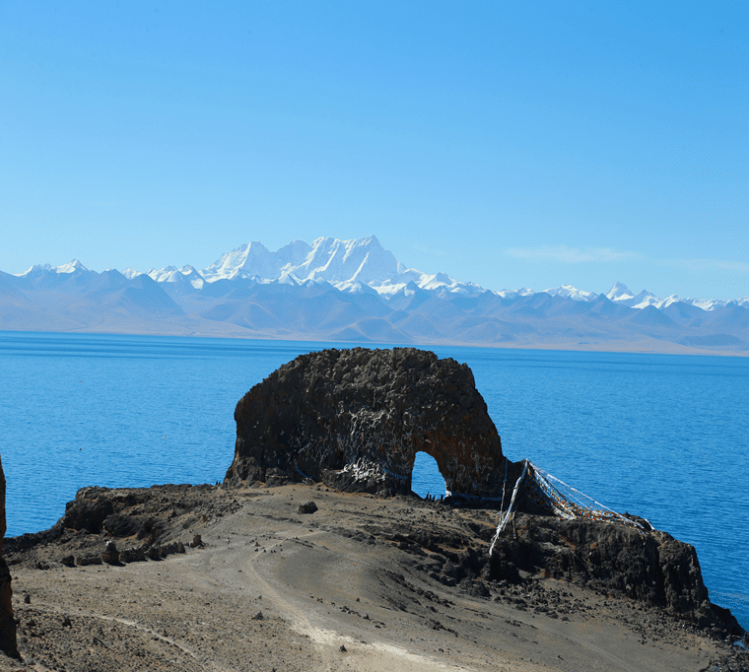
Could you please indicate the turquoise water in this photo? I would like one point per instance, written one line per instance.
(666, 437)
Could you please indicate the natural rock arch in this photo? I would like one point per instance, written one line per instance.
(329, 409)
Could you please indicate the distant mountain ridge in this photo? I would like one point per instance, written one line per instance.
(355, 290)
(348, 265)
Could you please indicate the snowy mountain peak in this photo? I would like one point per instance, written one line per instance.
(72, 267)
(337, 261)
(643, 300)
(186, 274)
(255, 260)
(570, 292)
(514, 293)
(623, 295)
(619, 292)
(348, 265)
(37, 268)
(363, 260)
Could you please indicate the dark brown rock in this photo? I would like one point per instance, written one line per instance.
(328, 410)
(8, 642)
(308, 507)
(647, 566)
(132, 555)
(87, 511)
(171, 549)
(111, 555)
(84, 560)
(155, 553)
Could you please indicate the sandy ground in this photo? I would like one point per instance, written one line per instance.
(339, 589)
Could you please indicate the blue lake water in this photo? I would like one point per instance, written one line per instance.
(663, 436)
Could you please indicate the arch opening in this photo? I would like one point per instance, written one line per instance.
(426, 478)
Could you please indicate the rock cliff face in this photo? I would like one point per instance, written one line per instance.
(368, 412)
(650, 567)
(7, 624)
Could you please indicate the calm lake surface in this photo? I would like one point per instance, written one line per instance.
(662, 436)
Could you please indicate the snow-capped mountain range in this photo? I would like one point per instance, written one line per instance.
(355, 290)
(352, 265)
(348, 265)
(621, 294)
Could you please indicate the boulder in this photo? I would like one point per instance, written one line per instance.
(8, 644)
(111, 555)
(132, 555)
(308, 507)
(320, 414)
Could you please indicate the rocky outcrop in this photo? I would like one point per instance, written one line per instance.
(8, 643)
(325, 412)
(121, 525)
(647, 566)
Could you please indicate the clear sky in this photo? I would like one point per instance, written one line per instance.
(507, 143)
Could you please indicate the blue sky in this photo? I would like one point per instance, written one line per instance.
(510, 144)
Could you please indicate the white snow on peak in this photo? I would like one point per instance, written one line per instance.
(514, 293)
(362, 260)
(623, 295)
(355, 287)
(570, 292)
(287, 279)
(707, 304)
(163, 275)
(435, 281)
(409, 280)
(131, 273)
(348, 265)
(186, 274)
(72, 267)
(712, 304)
(255, 260)
(37, 268)
(619, 292)
(665, 303)
(643, 300)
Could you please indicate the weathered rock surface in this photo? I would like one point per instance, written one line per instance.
(147, 521)
(650, 567)
(328, 410)
(7, 625)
